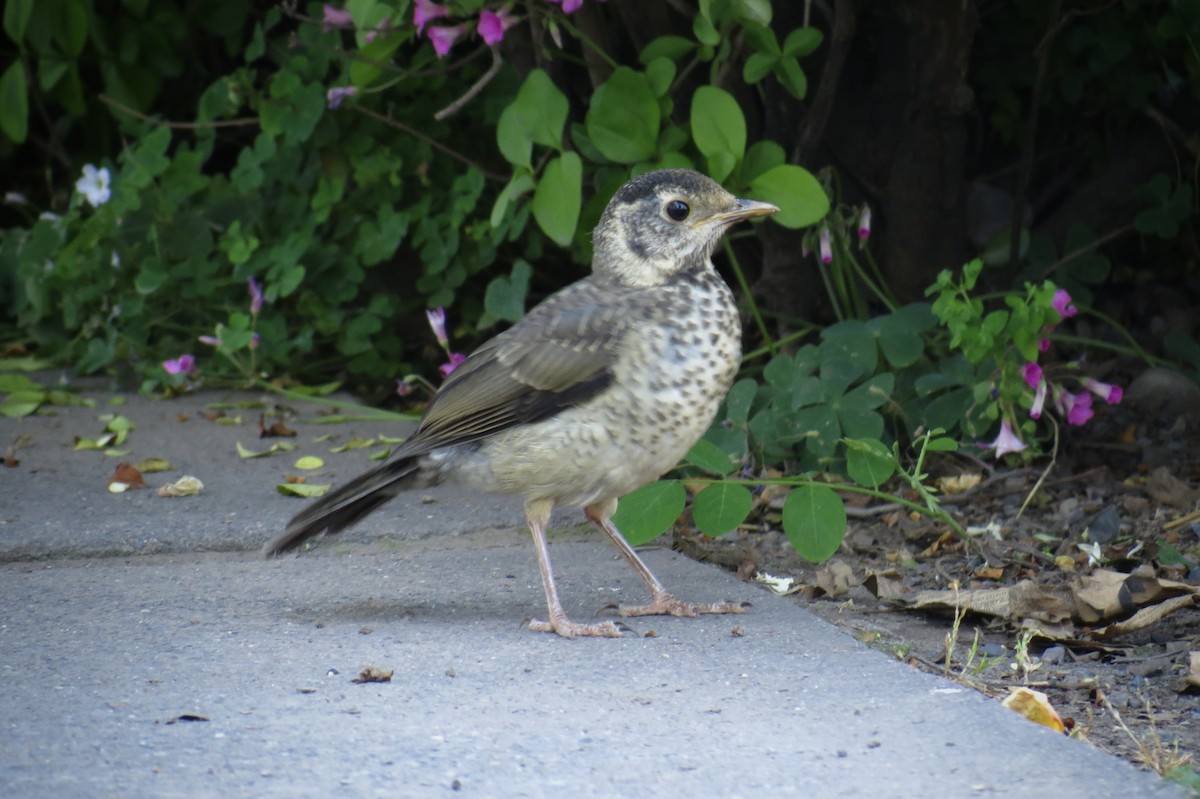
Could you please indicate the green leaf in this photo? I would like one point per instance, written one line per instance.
(719, 129)
(721, 507)
(814, 520)
(800, 198)
(739, 399)
(558, 197)
(669, 47)
(624, 118)
(16, 17)
(868, 462)
(660, 73)
(752, 12)
(711, 458)
(521, 182)
(705, 32)
(303, 489)
(373, 54)
(646, 513)
(513, 139)
(758, 66)
(802, 42)
(71, 27)
(536, 116)
(308, 463)
(505, 296)
(14, 102)
(791, 75)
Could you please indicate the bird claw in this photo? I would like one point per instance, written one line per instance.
(570, 629)
(667, 605)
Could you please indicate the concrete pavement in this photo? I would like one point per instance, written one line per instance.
(146, 651)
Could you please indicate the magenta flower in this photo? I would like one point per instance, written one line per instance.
(1062, 304)
(403, 389)
(1077, 407)
(336, 18)
(425, 12)
(256, 296)
(1032, 374)
(864, 222)
(443, 37)
(211, 341)
(335, 95)
(493, 24)
(1106, 391)
(826, 246)
(456, 359)
(1006, 442)
(437, 321)
(183, 365)
(1044, 345)
(568, 6)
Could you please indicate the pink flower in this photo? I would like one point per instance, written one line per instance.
(336, 18)
(443, 37)
(493, 24)
(403, 389)
(568, 6)
(1044, 345)
(864, 222)
(255, 340)
(1077, 407)
(1032, 374)
(256, 296)
(826, 247)
(211, 341)
(1109, 393)
(183, 365)
(437, 321)
(1006, 442)
(1062, 304)
(335, 95)
(1039, 400)
(456, 359)
(425, 12)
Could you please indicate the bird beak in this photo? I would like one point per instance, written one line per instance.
(745, 209)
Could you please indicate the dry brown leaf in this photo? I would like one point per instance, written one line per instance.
(127, 474)
(959, 482)
(1146, 617)
(1168, 489)
(295, 479)
(374, 674)
(1107, 594)
(1193, 676)
(886, 584)
(185, 486)
(1035, 706)
(277, 429)
(994, 573)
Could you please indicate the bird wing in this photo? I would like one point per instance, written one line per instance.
(560, 355)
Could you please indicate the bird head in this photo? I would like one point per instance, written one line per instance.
(664, 224)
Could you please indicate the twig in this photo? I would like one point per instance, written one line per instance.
(437, 145)
(1045, 472)
(475, 89)
(216, 123)
(1190, 142)
(1181, 521)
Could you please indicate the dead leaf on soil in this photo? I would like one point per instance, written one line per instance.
(374, 674)
(958, 483)
(1192, 679)
(1035, 706)
(886, 584)
(1168, 489)
(834, 579)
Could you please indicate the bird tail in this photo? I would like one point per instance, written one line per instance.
(346, 505)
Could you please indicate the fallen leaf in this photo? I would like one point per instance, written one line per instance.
(278, 446)
(374, 674)
(187, 717)
(276, 430)
(303, 489)
(152, 465)
(1168, 489)
(185, 486)
(308, 463)
(959, 482)
(380, 455)
(1035, 706)
(994, 573)
(355, 442)
(126, 475)
(1192, 679)
(885, 584)
(295, 479)
(780, 585)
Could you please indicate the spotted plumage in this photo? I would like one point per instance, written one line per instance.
(598, 390)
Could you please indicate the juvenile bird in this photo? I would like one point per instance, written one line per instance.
(598, 390)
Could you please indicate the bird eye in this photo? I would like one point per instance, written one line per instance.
(678, 210)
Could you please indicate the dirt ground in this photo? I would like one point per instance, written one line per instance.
(1089, 595)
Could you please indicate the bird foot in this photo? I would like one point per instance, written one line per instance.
(666, 605)
(570, 629)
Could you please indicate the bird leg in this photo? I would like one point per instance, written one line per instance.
(662, 603)
(537, 515)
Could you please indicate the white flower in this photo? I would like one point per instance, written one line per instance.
(14, 198)
(116, 258)
(94, 185)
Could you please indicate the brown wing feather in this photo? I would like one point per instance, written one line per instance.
(559, 355)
